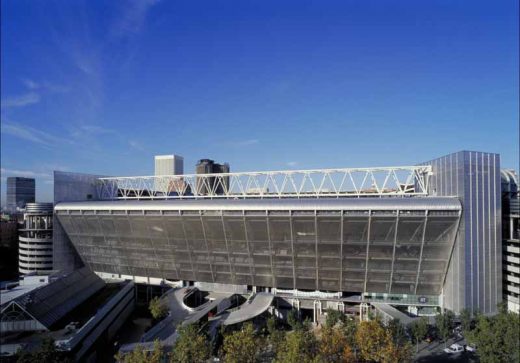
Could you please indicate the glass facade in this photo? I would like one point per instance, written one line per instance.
(375, 251)
(20, 191)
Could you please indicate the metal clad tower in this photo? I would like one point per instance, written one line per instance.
(474, 277)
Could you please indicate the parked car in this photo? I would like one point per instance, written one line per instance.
(454, 349)
(471, 348)
(431, 336)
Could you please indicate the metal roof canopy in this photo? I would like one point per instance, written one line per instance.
(427, 203)
(345, 182)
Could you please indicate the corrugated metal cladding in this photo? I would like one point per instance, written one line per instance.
(474, 278)
(391, 245)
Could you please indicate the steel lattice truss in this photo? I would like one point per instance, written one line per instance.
(352, 182)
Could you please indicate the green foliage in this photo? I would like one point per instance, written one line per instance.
(444, 323)
(377, 344)
(334, 347)
(276, 336)
(46, 353)
(371, 337)
(191, 346)
(349, 328)
(300, 346)
(397, 331)
(497, 338)
(293, 319)
(465, 319)
(157, 308)
(241, 346)
(271, 325)
(419, 329)
(334, 317)
(139, 355)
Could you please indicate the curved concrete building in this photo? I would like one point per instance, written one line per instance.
(511, 239)
(35, 247)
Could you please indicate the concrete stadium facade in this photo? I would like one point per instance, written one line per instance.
(415, 244)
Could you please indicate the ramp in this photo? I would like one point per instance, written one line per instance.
(250, 309)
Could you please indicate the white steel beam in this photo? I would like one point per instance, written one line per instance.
(349, 182)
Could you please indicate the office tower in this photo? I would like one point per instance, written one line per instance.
(20, 191)
(169, 165)
(35, 239)
(8, 248)
(211, 185)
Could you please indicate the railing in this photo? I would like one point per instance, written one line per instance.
(352, 182)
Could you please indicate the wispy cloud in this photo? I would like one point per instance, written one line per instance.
(136, 145)
(29, 83)
(292, 163)
(241, 143)
(44, 86)
(91, 131)
(24, 173)
(132, 18)
(31, 134)
(21, 101)
(33, 96)
(247, 142)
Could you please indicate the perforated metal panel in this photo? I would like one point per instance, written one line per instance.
(376, 250)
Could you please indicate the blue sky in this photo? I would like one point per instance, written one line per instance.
(102, 86)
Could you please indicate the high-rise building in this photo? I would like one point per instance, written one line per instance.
(169, 165)
(211, 185)
(20, 191)
(511, 239)
(35, 239)
(8, 248)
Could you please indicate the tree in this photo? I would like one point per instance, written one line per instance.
(299, 347)
(276, 336)
(393, 353)
(465, 319)
(140, 355)
(293, 320)
(397, 331)
(497, 337)
(349, 328)
(334, 346)
(444, 323)
(47, 353)
(157, 308)
(371, 337)
(241, 346)
(333, 317)
(191, 346)
(377, 344)
(419, 329)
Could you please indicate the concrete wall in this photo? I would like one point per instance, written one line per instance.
(69, 187)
